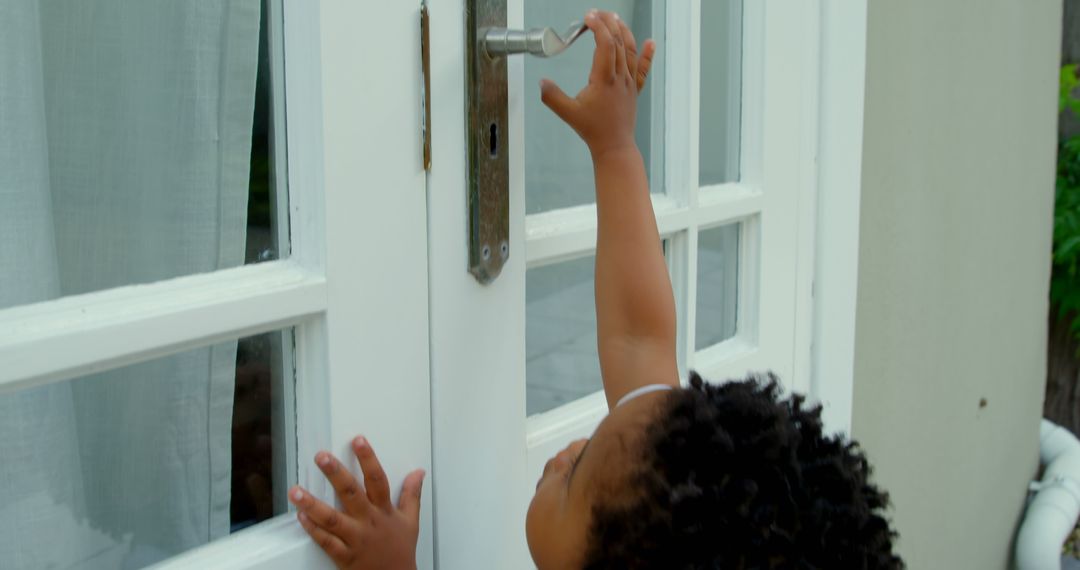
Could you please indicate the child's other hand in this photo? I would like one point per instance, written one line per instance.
(370, 532)
(605, 111)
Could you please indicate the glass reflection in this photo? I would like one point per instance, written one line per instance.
(561, 362)
(125, 468)
(721, 91)
(717, 285)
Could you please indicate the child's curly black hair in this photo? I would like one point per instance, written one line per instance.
(733, 476)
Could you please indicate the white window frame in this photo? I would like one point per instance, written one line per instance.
(343, 222)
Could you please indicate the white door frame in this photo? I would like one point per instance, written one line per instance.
(839, 188)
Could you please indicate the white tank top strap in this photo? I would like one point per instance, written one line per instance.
(642, 391)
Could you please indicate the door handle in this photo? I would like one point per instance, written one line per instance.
(541, 42)
(487, 43)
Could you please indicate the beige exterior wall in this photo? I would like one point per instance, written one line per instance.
(958, 175)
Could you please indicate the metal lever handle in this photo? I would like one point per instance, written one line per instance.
(542, 42)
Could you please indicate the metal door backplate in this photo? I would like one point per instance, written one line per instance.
(486, 129)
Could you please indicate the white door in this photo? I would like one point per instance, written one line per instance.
(728, 128)
(134, 319)
(213, 262)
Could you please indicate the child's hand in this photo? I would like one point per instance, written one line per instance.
(371, 533)
(605, 111)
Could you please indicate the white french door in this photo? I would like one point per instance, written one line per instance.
(220, 296)
(729, 131)
(362, 311)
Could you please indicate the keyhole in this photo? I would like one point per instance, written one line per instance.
(493, 140)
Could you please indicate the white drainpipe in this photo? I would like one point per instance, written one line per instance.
(1051, 515)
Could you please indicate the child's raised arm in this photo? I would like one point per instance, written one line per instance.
(635, 308)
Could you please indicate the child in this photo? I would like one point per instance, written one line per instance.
(725, 476)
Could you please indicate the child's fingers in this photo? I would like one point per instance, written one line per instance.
(378, 490)
(630, 46)
(328, 518)
(645, 63)
(557, 100)
(345, 485)
(603, 67)
(331, 545)
(612, 21)
(409, 503)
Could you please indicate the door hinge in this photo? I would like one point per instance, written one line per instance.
(425, 85)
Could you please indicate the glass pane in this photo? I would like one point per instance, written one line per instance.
(127, 467)
(558, 169)
(717, 285)
(721, 90)
(560, 335)
(134, 149)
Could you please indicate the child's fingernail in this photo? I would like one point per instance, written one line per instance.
(360, 441)
(302, 517)
(297, 495)
(616, 16)
(322, 459)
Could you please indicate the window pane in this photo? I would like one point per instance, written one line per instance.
(561, 359)
(717, 285)
(560, 335)
(721, 90)
(127, 467)
(558, 169)
(134, 149)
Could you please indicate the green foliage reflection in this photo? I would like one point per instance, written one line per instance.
(1065, 279)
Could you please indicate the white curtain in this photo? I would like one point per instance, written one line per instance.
(125, 130)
